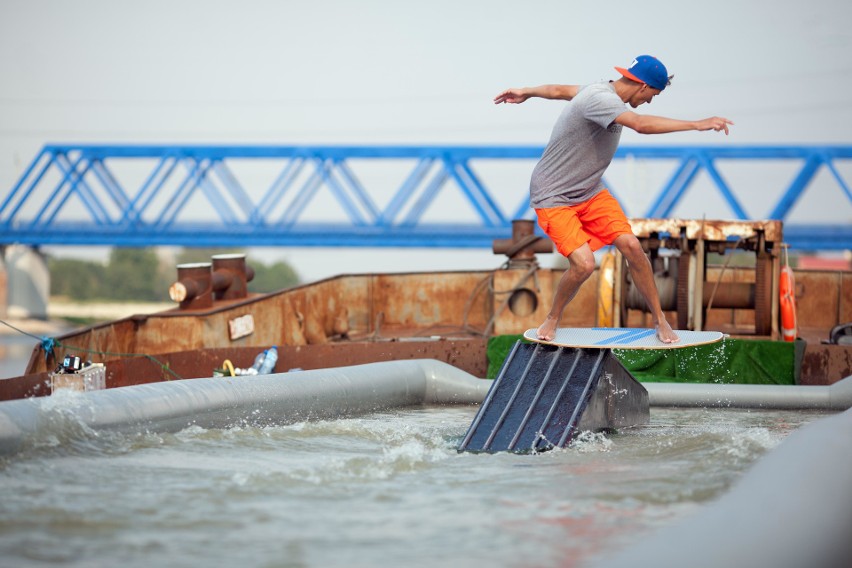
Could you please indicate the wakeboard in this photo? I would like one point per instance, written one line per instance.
(623, 338)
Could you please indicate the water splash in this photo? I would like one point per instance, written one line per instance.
(325, 490)
(60, 430)
(588, 442)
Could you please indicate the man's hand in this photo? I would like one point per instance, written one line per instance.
(716, 123)
(650, 124)
(515, 96)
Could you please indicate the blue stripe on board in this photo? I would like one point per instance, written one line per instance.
(627, 337)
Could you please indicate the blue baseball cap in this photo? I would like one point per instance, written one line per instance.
(649, 70)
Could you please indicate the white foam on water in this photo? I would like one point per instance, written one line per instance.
(60, 428)
(384, 489)
(586, 442)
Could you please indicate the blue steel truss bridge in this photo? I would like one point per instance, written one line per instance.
(399, 196)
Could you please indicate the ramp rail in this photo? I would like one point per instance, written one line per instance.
(545, 395)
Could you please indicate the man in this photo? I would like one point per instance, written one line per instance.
(573, 207)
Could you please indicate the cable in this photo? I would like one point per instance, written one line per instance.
(722, 273)
(49, 345)
(21, 331)
(151, 358)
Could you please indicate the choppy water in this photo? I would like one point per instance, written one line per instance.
(384, 490)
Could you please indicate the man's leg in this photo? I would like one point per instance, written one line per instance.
(582, 265)
(643, 277)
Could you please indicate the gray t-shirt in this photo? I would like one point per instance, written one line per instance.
(580, 149)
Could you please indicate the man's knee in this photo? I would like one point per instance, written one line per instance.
(629, 246)
(583, 266)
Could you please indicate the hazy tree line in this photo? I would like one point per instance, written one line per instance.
(141, 275)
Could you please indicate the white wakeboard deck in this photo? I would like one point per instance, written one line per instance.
(623, 338)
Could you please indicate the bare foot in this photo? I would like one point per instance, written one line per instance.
(547, 330)
(665, 333)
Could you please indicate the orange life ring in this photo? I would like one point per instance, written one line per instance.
(787, 292)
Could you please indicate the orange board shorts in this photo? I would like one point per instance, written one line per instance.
(598, 221)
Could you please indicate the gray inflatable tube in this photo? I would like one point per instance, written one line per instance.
(792, 509)
(782, 397)
(223, 402)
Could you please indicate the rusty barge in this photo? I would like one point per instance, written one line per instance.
(451, 316)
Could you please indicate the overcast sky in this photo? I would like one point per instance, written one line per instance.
(371, 72)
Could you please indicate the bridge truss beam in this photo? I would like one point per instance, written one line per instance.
(191, 195)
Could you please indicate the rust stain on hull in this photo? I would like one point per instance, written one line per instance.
(352, 319)
(378, 307)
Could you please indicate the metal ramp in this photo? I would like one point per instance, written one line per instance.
(545, 395)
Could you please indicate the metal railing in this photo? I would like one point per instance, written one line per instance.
(141, 195)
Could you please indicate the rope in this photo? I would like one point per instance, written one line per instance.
(21, 331)
(487, 283)
(163, 366)
(50, 344)
(47, 343)
(722, 273)
(522, 244)
(531, 273)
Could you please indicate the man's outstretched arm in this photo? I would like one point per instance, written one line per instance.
(554, 92)
(647, 124)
